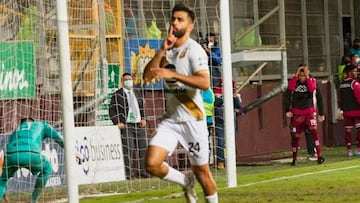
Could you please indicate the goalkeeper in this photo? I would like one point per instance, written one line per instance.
(24, 151)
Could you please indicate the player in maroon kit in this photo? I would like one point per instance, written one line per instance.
(350, 105)
(299, 106)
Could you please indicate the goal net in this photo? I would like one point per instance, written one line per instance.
(105, 42)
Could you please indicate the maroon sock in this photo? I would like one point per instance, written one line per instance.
(316, 139)
(295, 147)
(358, 139)
(348, 139)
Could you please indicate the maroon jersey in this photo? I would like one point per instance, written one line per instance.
(350, 97)
(300, 97)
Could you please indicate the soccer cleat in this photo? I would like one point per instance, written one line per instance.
(220, 165)
(312, 157)
(189, 189)
(293, 163)
(321, 160)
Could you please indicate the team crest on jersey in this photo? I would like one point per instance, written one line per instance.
(182, 54)
(301, 88)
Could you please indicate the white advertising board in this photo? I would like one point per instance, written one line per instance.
(100, 147)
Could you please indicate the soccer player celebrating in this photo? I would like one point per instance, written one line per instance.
(299, 106)
(183, 65)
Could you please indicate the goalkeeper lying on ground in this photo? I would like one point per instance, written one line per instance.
(24, 151)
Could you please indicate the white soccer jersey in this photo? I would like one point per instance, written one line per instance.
(184, 103)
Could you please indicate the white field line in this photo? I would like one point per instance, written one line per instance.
(299, 175)
(259, 182)
(242, 185)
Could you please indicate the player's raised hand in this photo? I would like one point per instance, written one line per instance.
(307, 71)
(170, 40)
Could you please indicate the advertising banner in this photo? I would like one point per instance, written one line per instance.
(138, 52)
(102, 154)
(102, 112)
(17, 70)
(102, 161)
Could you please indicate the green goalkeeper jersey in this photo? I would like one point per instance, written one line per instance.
(29, 136)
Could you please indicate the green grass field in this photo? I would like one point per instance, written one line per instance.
(337, 180)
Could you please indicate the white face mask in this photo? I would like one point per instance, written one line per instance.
(211, 45)
(128, 84)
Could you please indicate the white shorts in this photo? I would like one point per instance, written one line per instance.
(192, 135)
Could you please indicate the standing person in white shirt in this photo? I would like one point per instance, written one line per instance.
(126, 110)
(183, 65)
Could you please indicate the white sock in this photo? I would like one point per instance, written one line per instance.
(212, 198)
(175, 176)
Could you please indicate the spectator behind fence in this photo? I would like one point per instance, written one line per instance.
(210, 45)
(249, 39)
(151, 30)
(344, 61)
(355, 48)
(126, 110)
(219, 122)
(209, 99)
(131, 22)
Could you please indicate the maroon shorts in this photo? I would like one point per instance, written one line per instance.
(301, 122)
(350, 122)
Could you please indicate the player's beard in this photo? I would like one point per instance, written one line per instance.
(179, 33)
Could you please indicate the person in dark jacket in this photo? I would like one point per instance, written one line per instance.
(219, 122)
(310, 145)
(213, 50)
(300, 107)
(126, 110)
(350, 106)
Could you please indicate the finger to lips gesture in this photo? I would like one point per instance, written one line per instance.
(170, 40)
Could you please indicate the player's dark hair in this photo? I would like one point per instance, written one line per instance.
(185, 8)
(29, 119)
(125, 74)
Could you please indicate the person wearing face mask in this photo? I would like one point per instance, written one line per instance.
(215, 61)
(126, 110)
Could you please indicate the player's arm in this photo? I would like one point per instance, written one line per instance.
(200, 79)
(292, 83)
(158, 60)
(319, 101)
(287, 100)
(155, 63)
(311, 84)
(50, 132)
(356, 88)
